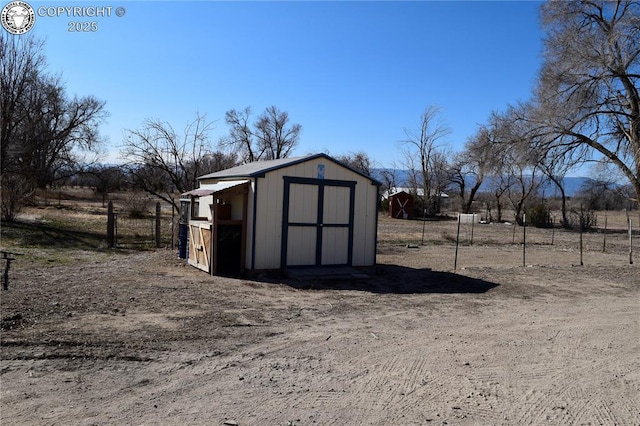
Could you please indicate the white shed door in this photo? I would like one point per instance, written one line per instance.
(317, 222)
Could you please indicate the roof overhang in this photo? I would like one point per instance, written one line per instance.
(212, 188)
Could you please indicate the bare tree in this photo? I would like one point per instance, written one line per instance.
(216, 161)
(587, 95)
(596, 194)
(441, 177)
(162, 162)
(413, 172)
(104, 179)
(240, 138)
(22, 65)
(275, 138)
(389, 179)
(45, 135)
(359, 161)
(58, 131)
(472, 166)
(525, 180)
(271, 137)
(424, 158)
(499, 184)
(519, 163)
(603, 190)
(555, 162)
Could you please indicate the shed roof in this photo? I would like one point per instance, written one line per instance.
(208, 189)
(260, 168)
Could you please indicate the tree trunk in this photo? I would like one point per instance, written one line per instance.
(472, 195)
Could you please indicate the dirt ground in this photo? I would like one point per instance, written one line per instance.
(95, 337)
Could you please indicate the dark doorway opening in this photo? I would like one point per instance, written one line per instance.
(229, 253)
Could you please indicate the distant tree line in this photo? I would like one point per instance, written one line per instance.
(49, 139)
(164, 162)
(46, 135)
(584, 109)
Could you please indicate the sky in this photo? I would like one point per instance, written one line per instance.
(355, 74)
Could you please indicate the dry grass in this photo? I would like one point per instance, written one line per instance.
(77, 218)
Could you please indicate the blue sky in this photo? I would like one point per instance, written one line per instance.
(353, 74)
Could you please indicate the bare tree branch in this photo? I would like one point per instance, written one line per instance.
(423, 156)
(164, 163)
(270, 139)
(44, 134)
(588, 95)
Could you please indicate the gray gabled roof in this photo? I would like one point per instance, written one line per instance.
(260, 168)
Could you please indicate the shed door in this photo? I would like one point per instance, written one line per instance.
(317, 222)
(200, 246)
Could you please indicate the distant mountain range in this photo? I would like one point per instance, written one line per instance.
(571, 184)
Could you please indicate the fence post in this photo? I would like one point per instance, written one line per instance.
(630, 242)
(110, 226)
(524, 240)
(173, 225)
(604, 235)
(5, 276)
(455, 259)
(581, 261)
(424, 219)
(158, 224)
(473, 221)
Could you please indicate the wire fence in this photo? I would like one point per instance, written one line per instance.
(124, 231)
(472, 244)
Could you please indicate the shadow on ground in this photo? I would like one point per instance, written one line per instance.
(41, 235)
(395, 279)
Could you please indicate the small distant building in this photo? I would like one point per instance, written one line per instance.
(417, 195)
(310, 211)
(401, 205)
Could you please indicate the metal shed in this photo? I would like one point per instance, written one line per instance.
(310, 211)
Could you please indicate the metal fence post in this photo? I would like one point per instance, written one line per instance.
(110, 226)
(158, 224)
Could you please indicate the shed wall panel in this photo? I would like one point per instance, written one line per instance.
(364, 248)
(269, 220)
(250, 220)
(302, 247)
(236, 205)
(305, 209)
(204, 206)
(336, 204)
(335, 246)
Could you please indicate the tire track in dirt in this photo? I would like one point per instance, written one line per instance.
(376, 384)
(561, 398)
(396, 388)
(564, 387)
(397, 380)
(401, 380)
(599, 411)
